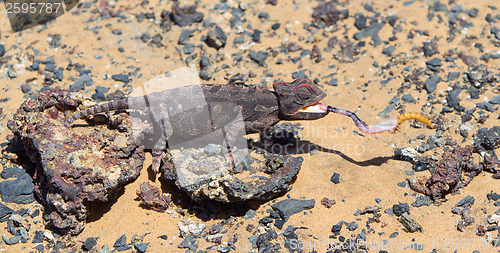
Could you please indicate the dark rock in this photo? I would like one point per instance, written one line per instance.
(335, 178)
(435, 62)
(493, 196)
(410, 224)
(333, 82)
(408, 98)
(453, 100)
(431, 83)
(59, 74)
(430, 48)
(351, 226)
(472, 12)
(2, 50)
(279, 223)
(422, 200)
(184, 37)
(256, 35)
(467, 200)
(205, 74)
(12, 240)
(327, 14)
(141, 247)
(289, 207)
(250, 214)
(399, 209)
(337, 227)
(184, 16)
(121, 243)
(372, 32)
(189, 48)
(83, 80)
(26, 87)
(12, 172)
(495, 100)
(19, 190)
(259, 57)
(479, 76)
(216, 38)
(360, 21)
(275, 26)
(118, 94)
(496, 32)
(121, 78)
(393, 235)
(388, 50)
(385, 113)
(487, 139)
(4, 211)
(452, 76)
(485, 106)
(38, 238)
(89, 244)
(263, 15)
(189, 242)
(402, 184)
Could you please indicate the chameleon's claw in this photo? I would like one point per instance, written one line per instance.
(158, 155)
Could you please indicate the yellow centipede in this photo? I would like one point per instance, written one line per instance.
(416, 116)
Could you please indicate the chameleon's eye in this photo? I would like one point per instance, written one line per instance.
(303, 93)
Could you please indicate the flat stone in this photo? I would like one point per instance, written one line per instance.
(467, 200)
(435, 62)
(4, 211)
(493, 196)
(408, 98)
(12, 172)
(121, 78)
(410, 224)
(485, 106)
(335, 178)
(89, 243)
(431, 83)
(141, 247)
(289, 207)
(495, 100)
(11, 240)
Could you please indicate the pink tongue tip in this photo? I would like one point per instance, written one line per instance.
(323, 107)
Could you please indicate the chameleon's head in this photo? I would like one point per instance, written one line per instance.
(300, 100)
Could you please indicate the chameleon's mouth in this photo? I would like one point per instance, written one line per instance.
(314, 108)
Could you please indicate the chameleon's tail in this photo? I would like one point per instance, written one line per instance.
(110, 106)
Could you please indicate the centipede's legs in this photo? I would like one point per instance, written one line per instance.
(388, 125)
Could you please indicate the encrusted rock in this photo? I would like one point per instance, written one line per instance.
(72, 167)
(455, 170)
(257, 177)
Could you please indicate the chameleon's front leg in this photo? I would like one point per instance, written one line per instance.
(158, 155)
(266, 139)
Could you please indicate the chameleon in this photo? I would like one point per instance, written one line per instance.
(178, 112)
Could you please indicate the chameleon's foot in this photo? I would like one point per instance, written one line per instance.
(158, 155)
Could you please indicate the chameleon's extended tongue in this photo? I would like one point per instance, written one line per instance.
(388, 125)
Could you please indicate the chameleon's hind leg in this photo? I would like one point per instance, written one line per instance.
(158, 155)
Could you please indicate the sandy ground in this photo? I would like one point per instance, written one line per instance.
(365, 163)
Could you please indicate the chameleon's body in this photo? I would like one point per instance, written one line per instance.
(194, 111)
(191, 112)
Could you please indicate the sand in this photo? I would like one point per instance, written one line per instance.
(366, 163)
